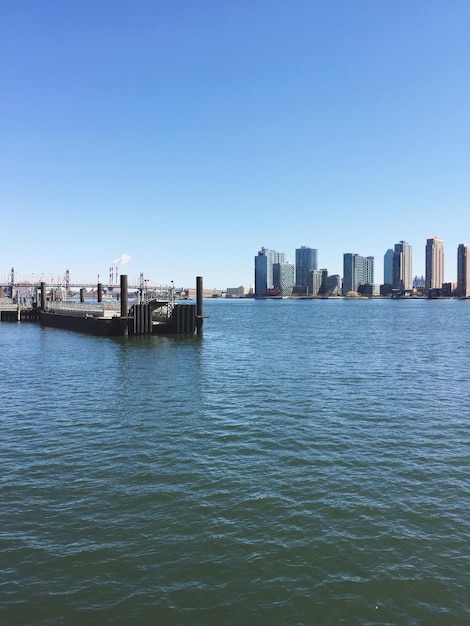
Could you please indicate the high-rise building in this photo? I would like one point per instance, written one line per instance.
(352, 270)
(434, 263)
(284, 278)
(315, 282)
(463, 271)
(264, 262)
(331, 285)
(402, 277)
(305, 262)
(357, 270)
(369, 270)
(388, 267)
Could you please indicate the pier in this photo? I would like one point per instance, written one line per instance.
(144, 315)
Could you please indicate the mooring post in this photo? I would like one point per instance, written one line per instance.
(100, 292)
(43, 296)
(199, 305)
(124, 296)
(82, 294)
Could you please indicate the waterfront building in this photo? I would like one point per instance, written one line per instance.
(331, 285)
(463, 271)
(388, 267)
(434, 277)
(357, 270)
(402, 276)
(237, 292)
(369, 290)
(315, 282)
(264, 262)
(369, 270)
(284, 278)
(352, 271)
(306, 261)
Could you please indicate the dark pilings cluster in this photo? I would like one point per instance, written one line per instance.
(183, 318)
(142, 319)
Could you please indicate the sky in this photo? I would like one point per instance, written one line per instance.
(177, 138)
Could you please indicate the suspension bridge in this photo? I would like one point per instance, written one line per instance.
(13, 281)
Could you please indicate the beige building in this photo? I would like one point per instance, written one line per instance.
(434, 263)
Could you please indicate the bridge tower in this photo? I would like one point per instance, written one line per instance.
(12, 282)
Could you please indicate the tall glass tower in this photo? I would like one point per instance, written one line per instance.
(463, 271)
(357, 270)
(388, 267)
(306, 261)
(264, 262)
(402, 276)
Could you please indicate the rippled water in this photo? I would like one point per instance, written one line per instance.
(301, 463)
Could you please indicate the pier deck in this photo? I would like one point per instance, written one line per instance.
(151, 316)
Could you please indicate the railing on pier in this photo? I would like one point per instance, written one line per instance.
(97, 309)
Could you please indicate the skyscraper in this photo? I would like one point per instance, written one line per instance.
(388, 267)
(402, 277)
(368, 278)
(315, 282)
(463, 271)
(434, 263)
(331, 285)
(284, 278)
(305, 262)
(264, 262)
(357, 270)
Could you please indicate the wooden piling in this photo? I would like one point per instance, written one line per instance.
(199, 305)
(82, 294)
(124, 296)
(100, 292)
(43, 296)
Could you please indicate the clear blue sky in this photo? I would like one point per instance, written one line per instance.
(187, 134)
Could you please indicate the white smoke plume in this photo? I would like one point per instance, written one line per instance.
(122, 260)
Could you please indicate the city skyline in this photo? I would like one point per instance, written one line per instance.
(159, 134)
(398, 273)
(398, 266)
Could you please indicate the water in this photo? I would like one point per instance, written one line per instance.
(301, 463)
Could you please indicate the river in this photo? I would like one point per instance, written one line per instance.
(303, 462)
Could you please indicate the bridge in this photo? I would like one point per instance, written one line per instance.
(12, 283)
